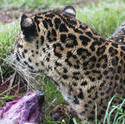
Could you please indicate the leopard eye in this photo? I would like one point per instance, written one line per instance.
(28, 28)
(70, 10)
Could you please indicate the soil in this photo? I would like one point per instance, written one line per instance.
(12, 81)
(7, 16)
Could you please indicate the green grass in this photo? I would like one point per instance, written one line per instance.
(119, 113)
(104, 18)
(4, 97)
(7, 35)
(8, 4)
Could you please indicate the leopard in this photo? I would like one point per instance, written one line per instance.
(119, 34)
(86, 68)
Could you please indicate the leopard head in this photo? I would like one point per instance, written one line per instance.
(37, 34)
(54, 37)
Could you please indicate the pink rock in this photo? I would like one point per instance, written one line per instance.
(23, 110)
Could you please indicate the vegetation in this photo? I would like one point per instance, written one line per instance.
(38, 4)
(103, 17)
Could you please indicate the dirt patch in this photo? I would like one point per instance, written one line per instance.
(12, 81)
(5, 17)
(9, 16)
(82, 3)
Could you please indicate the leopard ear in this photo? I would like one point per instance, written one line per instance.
(26, 21)
(70, 10)
(28, 28)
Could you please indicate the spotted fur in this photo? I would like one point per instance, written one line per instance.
(87, 68)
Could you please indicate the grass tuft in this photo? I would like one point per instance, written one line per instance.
(103, 17)
(33, 4)
(7, 35)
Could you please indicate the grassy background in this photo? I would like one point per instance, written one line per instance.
(104, 17)
(32, 4)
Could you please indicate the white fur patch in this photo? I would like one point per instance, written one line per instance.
(71, 11)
